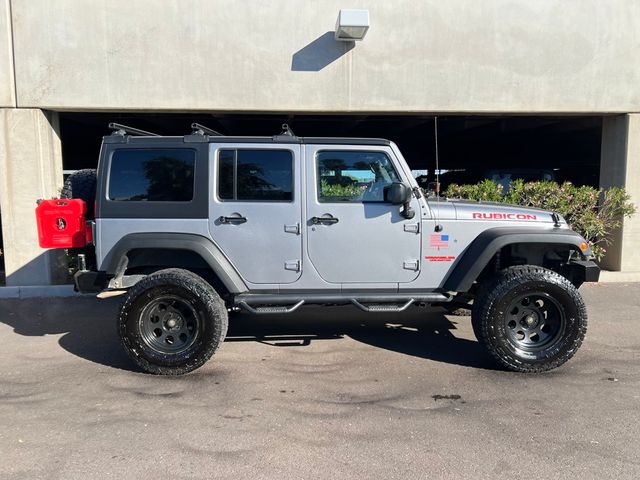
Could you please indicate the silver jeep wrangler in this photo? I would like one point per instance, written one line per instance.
(194, 227)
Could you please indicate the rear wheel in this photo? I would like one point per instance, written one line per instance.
(530, 319)
(172, 322)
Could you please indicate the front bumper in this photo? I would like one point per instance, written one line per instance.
(581, 271)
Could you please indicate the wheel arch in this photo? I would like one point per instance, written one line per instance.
(135, 251)
(478, 255)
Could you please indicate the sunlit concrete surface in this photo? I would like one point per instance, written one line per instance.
(331, 393)
(453, 56)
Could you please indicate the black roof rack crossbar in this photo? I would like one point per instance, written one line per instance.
(201, 130)
(119, 129)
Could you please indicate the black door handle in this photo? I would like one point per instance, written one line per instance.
(318, 220)
(228, 220)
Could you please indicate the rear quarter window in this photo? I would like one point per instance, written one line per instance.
(152, 175)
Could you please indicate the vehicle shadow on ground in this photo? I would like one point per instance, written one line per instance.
(424, 333)
(87, 329)
(87, 326)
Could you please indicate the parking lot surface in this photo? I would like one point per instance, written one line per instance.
(323, 393)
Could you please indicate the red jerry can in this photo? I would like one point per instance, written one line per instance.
(61, 223)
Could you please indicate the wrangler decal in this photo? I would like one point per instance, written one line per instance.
(440, 258)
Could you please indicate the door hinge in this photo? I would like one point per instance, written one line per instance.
(412, 227)
(295, 229)
(293, 265)
(411, 265)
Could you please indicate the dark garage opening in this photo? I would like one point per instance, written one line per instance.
(567, 145)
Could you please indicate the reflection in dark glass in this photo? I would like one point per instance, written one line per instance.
(152, 175)
(260, 175)
(353, 176)
(225, 174)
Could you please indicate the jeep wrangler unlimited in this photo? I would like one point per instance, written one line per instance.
(193, 227)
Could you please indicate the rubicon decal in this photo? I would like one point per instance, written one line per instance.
(504, 216)
(440, 258)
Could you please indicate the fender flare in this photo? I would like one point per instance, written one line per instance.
(478, 254)
(116, 260)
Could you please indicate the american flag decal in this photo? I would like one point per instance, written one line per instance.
(438, 241)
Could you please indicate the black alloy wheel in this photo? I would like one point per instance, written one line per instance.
(529, 318)
(172, 322)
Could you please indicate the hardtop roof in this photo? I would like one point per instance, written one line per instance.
(283, 139)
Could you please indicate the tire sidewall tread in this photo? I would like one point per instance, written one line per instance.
(195, 291)
(82, 184)
(488, 311)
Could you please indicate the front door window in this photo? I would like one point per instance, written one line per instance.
(352, 176)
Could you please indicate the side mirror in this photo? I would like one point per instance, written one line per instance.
(399, 194)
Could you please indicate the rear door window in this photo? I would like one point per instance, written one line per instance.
(255, 175)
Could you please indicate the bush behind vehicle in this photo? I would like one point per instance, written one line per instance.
(593, 213)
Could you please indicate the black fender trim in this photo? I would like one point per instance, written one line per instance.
(116, 260)
(477, 255)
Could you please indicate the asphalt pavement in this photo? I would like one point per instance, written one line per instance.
(327, 393)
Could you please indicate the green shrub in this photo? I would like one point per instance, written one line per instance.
(593, 213)
(340, 191)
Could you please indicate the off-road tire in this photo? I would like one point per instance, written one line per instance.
(490, 318)
(201, 299)
(82, 184)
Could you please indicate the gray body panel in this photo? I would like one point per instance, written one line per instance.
(372, 242)
(372, 248)
(267, 248)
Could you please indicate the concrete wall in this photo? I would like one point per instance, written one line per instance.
(30, 168)
(7, 85)
(621, 167)
(419, 55)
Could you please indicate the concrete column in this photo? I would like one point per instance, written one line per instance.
(30, 168)
(620, 166)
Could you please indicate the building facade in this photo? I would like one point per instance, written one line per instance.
(455, 57)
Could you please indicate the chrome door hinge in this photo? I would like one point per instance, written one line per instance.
(293, 265)
(411, 265)
(412, 227)
(295, 229)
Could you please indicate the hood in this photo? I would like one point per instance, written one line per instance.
(500, 212)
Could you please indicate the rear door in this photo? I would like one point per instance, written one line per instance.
(354, 236)
(255, 214)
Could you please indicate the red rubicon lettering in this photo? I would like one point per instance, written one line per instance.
(504, 216)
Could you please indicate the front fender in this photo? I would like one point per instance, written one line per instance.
(478, 254)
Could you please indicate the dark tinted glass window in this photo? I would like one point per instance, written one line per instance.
(255, 175)
(226, 169)
(152, 175)
(352, 176)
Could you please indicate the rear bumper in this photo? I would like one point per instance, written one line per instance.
(86, 281)
(584, 271)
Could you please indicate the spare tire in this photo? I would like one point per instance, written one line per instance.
(82, 184)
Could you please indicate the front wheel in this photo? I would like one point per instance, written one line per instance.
(172, 322)
(530, 319)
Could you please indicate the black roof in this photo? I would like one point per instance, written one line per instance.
(197, 138)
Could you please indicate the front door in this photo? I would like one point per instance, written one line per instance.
(255, 212)
(353, 235)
